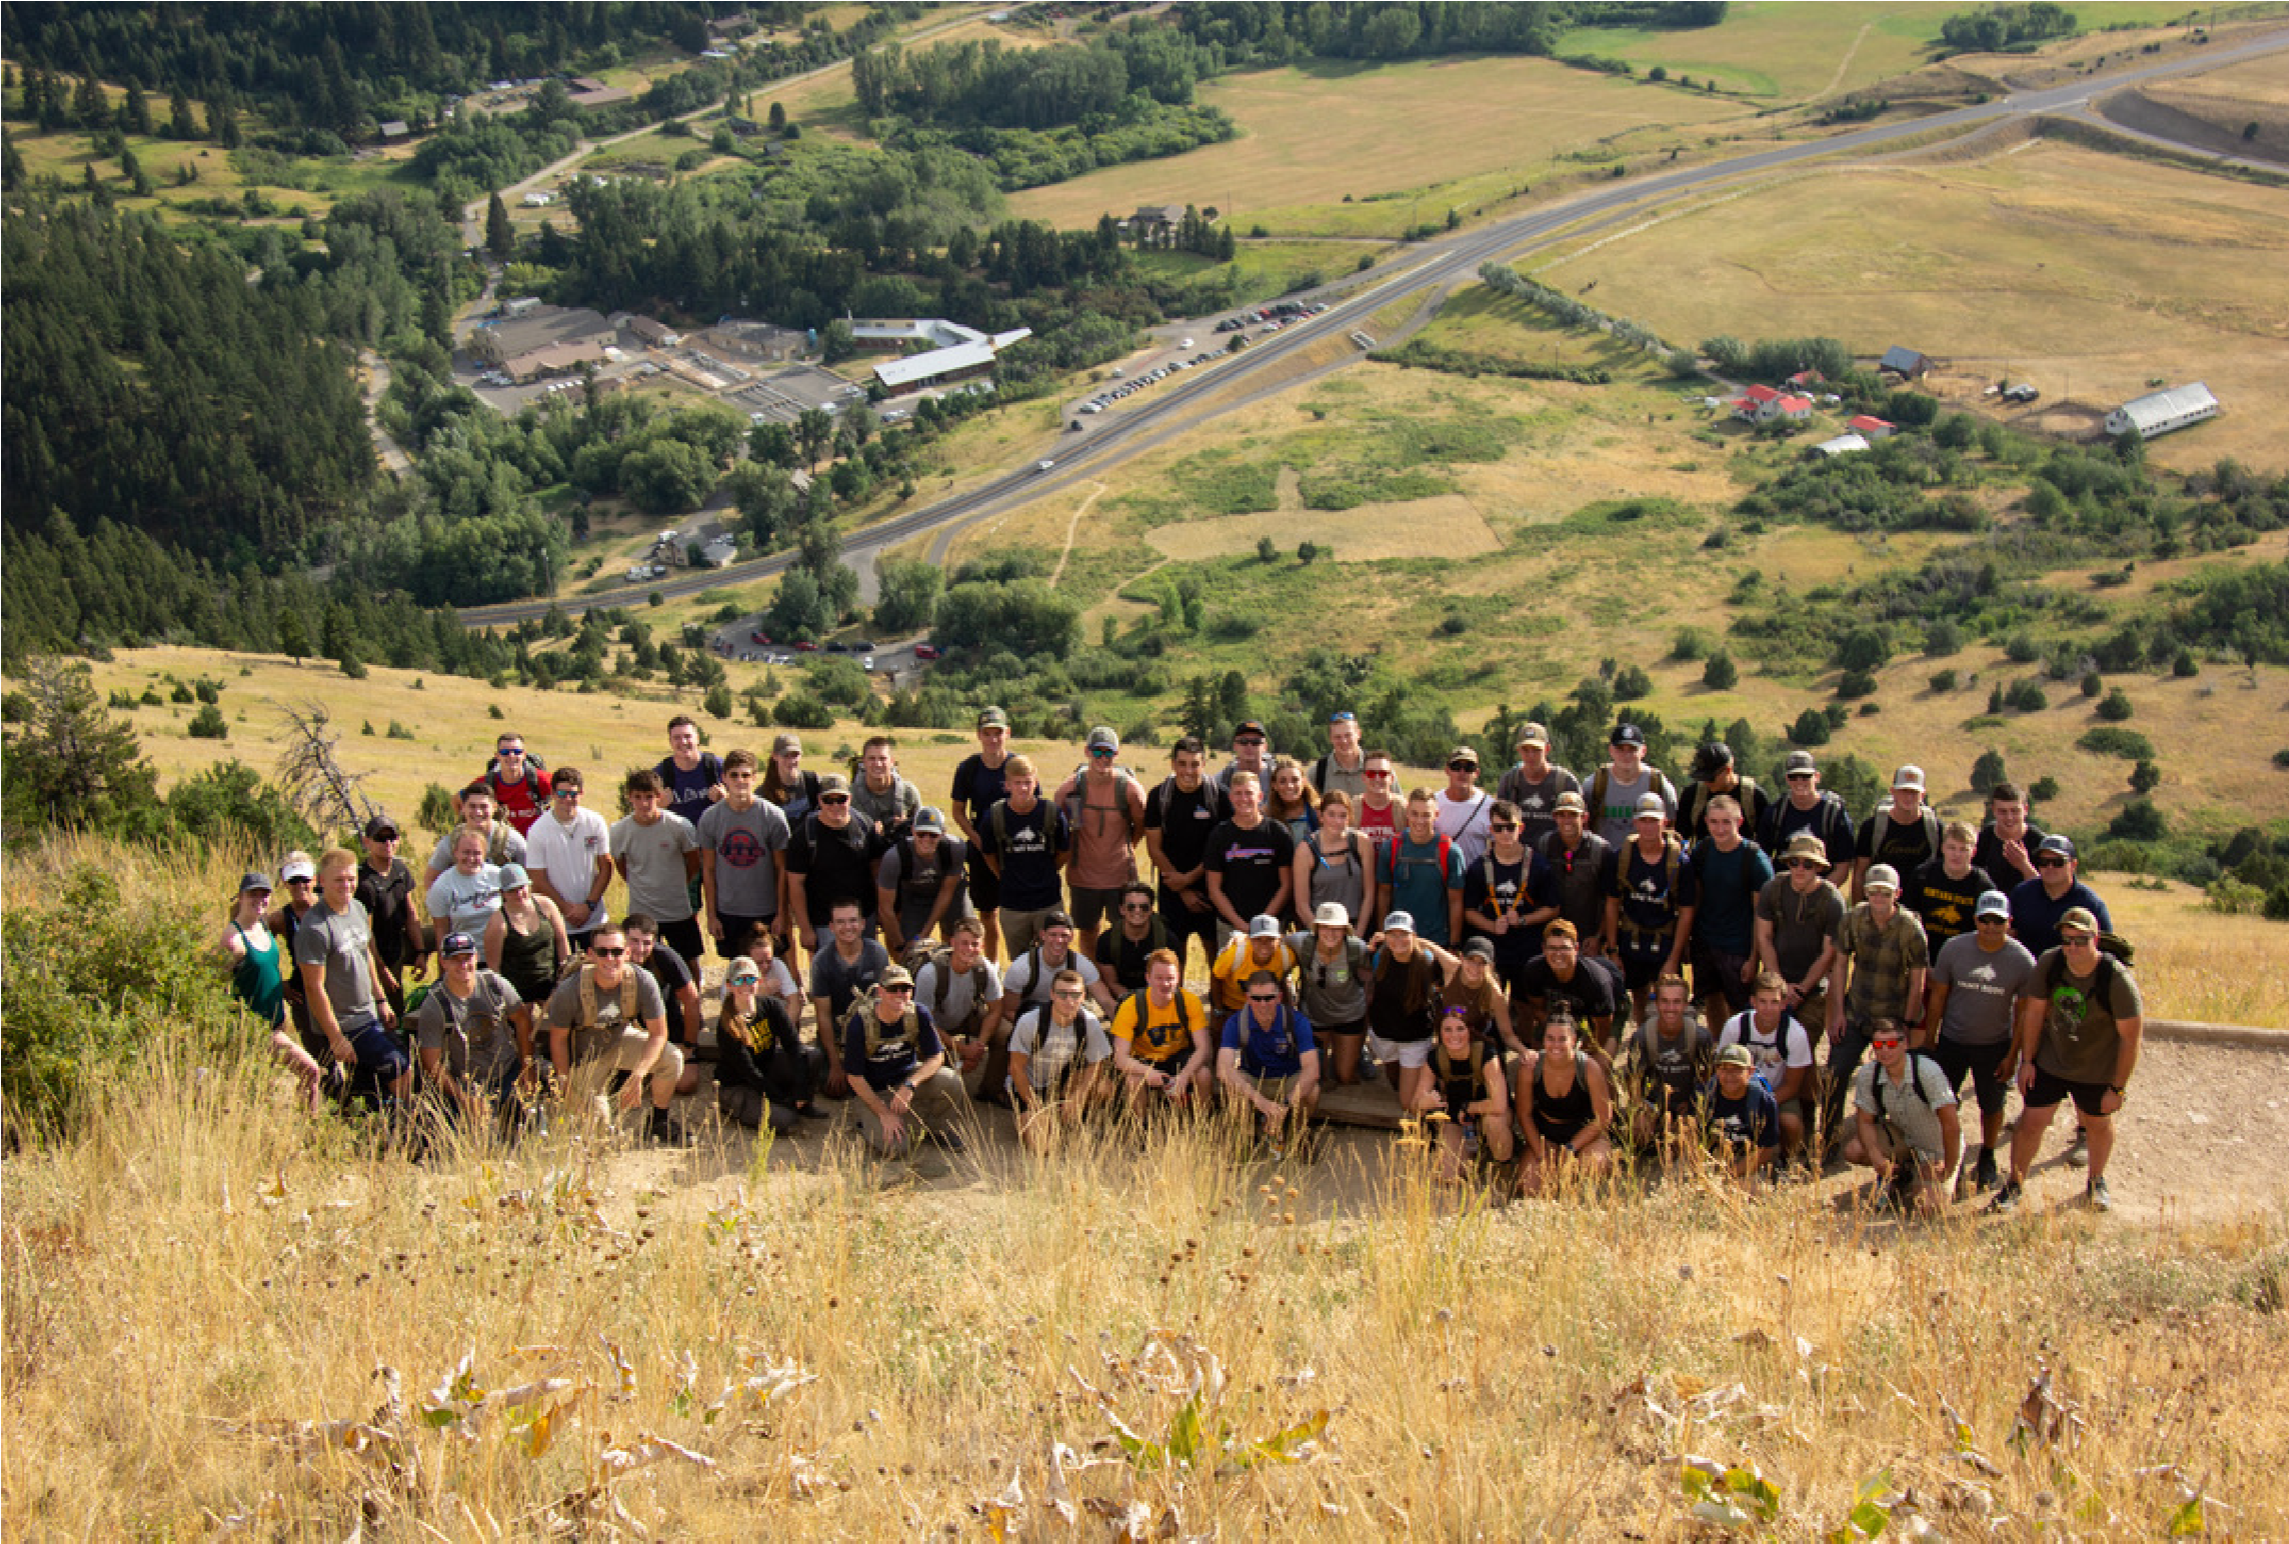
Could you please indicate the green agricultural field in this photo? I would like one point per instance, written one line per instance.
(1264, 269)
(1438, 134)
(1790, 52)
(2066, 267)
(1478, 320)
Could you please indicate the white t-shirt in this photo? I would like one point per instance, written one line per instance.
(567, 854)
(1788, 1046)
(1463, 824)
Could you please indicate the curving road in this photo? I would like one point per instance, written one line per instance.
(1425, 270)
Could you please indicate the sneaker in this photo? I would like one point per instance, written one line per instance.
(2101, 1199)
(2078, 1151)
(667, 1130)
(1985, 1178)
(2006, 1197)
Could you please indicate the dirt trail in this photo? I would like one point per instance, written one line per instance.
(1844, 63)
(1071, 526)
(2199, 1143)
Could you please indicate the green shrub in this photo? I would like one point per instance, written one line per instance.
(800, 710)
(208, 724)
(2092, 684)
(2022, 648)
(2145, 777)
(1944, 680)
(1942, 638)
(2141, 820)
(2184, 665)
(2281, 757)
(2026, 697)
(1631, 684)
(92, 983)
(2044, 789)
(1720, 674)
(436, 812)
(180, 693)
(718, 700)
(397, 731)
(2107, 740)
(1855, 683)
(2114, 707)
(1690, 644)
(1988, 770)
(1810, 728)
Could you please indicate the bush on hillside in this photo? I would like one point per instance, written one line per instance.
(2114, 707)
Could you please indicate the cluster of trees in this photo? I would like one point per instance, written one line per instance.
(149, 381)
(962, 84)
(1991, 28)
(344, 69)
(1773, 360)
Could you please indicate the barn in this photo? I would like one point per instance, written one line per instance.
(2158, 412)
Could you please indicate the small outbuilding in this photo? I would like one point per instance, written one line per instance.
(1905, 362)
(1842, 444)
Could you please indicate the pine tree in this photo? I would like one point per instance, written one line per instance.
(500, 236)
(181, 124)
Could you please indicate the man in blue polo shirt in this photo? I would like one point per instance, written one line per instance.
(1268, 1062)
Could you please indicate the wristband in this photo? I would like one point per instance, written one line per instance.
(2121, 1090)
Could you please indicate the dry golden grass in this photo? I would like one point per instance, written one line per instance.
(2085, 273)
(1447, 523)
(1450, 131)
(201, 1286)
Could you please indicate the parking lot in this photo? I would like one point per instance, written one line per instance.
(1188, 353)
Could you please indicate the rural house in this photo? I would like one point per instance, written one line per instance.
(1868, 426)
(1905, 362)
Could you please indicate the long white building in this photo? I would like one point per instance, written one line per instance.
(2158, 412)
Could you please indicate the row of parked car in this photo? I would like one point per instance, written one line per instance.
(1275, 316)
(1112, 394)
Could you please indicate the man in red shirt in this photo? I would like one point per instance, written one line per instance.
(520, 788)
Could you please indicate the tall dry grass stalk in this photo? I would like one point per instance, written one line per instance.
(200, 1285)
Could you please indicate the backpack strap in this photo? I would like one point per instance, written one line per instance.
(1598, 786)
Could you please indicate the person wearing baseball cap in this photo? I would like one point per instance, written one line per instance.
(906, 1092)
(2040, 905)
(1251, 752)
(474, 1035)
(1344, 767)
(1106, 806)
(980, 782)
(1028, 983)
(1534, 785)
(385, 889)
(1263, 947)
(1405, 974)
(1618, 786)
(1881, 960)
(1581, 865)
(1806, 806)
(2081, 1023)
(1714, 775)
(259, 964)
(1797, 914)
(920, 888)
(1744, 1121)
(1904, 834)
(830, 862)
(1968, 1020)
(1464, 808)
(1649, 914)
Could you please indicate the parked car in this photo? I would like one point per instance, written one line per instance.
(805, 646)
(1043, 466)
(925, 651)
(759, 636)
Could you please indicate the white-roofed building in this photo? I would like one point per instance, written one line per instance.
(963, 360)
(1842, 444)
(2158, 412)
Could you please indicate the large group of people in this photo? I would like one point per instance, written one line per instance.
(1551, 975)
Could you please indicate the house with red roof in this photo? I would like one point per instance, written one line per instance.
(1867, 426)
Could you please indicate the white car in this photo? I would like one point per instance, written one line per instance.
(1184, 343)
(1043, 466)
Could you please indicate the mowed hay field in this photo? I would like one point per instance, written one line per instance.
(2081, 272)
(1787, 51)
(1459, 132)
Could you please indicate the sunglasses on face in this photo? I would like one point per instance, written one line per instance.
(511, 750)
(1254, 998)
(1067, 992)
(2078, 943)
(1248, 743)
(834, 798)
(1800, 777)
(1101, 753)
(1140, 907)
(607, 954)
(1888, 1043)
(1806, 863)
(1462, 766)
(2052, 862)
(1502, 825)
(291, 883)
(567, 793)
(1377, 777)
(897, 991)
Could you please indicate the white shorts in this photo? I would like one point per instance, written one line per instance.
(1407, 1053)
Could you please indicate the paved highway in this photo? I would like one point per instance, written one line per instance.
(1424, 270)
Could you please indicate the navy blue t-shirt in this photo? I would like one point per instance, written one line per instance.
(1729, 882)
(1276, 1052)
(687, 791)
(1752, 1118)
(896, 1055)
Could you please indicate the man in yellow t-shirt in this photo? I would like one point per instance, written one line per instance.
(1161, 1041)
(1264, 948)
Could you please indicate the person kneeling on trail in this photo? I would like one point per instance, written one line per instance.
(1907, 1130)
(474, 1035)
(1058, 1053)
(763, 1071)
(1744, 1118)
(1268, 1063)
(1161, 1042)
(899, 1073)
(608, 1016)
(1466, 1097)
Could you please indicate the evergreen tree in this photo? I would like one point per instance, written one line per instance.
(181, 124)
(500, 236)
(71, 764)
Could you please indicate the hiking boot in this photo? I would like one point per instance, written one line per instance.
(666, 1130)
(2078, 1151)
(2101, 1199)
(1984, 1179)
(950, 1141)
(2006, 1198)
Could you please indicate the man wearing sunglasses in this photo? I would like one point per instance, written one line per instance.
(1905, 1124)
(2039, 906)
(568, 852)
(1810, 807)
(830, 862)
(2080, 1024)
(1968, 1007)
(609, 1017)
(1534, 785)
(1106, 808)
(1251, 752)
(517, 783)
(905, 1090)
(1268, 1063)
(1797, 914)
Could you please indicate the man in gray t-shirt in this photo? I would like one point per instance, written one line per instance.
(1970, 1006)
(657, 853)
(334, 958)
(1615, 788)
(740, 842)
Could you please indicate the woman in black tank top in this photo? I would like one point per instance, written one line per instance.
(1568, 1105)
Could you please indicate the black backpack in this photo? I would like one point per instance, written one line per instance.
(1916, 1062)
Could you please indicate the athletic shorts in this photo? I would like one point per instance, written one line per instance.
(684, 937)
(1716, 971)
(2047, 1090)
(1093, 907)
(1956, 1057)
(735, 931)
(1407, 1053)
(1642, 956)
(985, 884)
(381, 1058)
